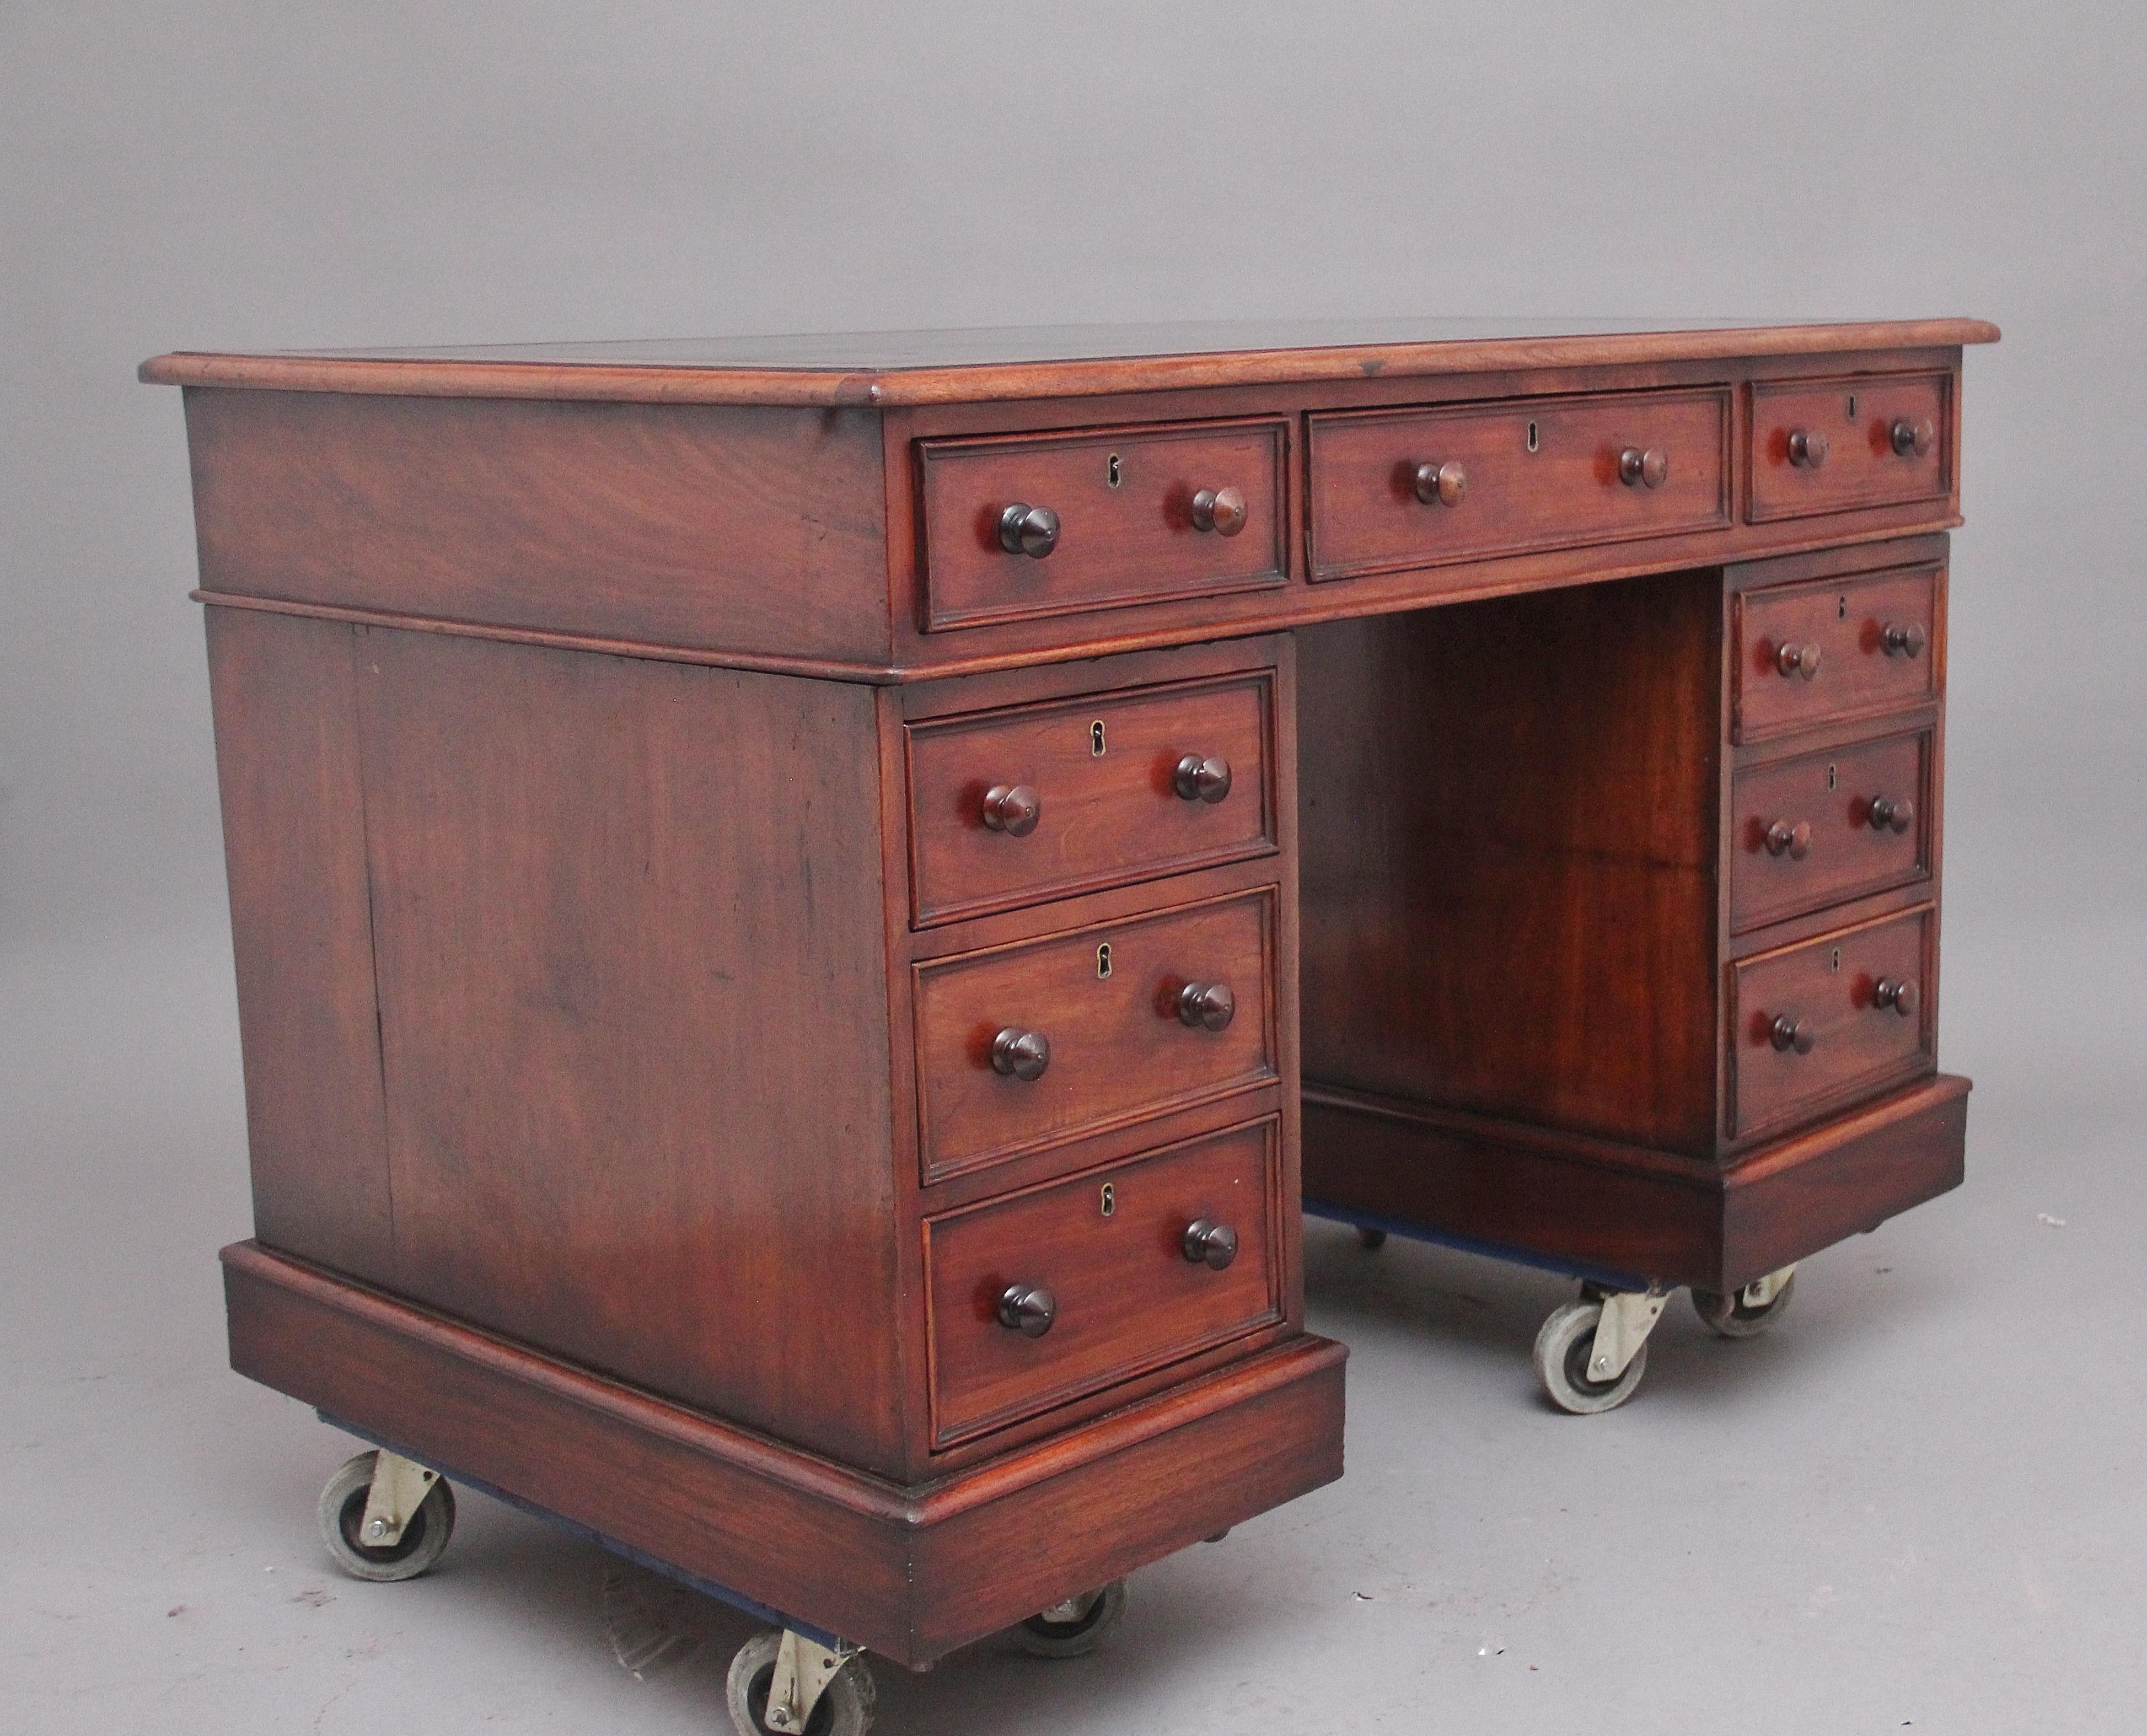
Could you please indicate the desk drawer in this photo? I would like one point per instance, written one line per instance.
(1107, 1024)
(1820, 1021)
(1823, 827)
(1877, 642)
(1114, 516)
(1109, 1249)
(1866, 440)
(1517, 476)
(1007, 807)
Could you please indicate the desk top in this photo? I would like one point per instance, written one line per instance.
(890, 369)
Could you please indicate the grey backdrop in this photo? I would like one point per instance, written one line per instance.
(1918, 1503)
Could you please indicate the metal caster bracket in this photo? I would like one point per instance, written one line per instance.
(1761, 1291)
(399, 1487)
(804, 1669)
(1629, 1316)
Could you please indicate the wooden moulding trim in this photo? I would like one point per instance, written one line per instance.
(913, 1506)
(996, 382)
(1788, 1152)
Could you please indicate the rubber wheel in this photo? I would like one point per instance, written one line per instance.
(845, 1709)
(342, 1511)
(1563, 1348)
(1373, 1239)
(1041, 1637)
(1730, 1316)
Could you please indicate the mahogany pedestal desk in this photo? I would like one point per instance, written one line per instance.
(774, 883)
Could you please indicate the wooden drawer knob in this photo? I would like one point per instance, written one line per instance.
(1207, 1006)
(1892, 813)
(1199, 779)
(1904, 638)
(1797, 660)
(1786, 838)
(1219, 510)
(1441, 485)
(1012, 809)
(1024, 529)
(1913, 439)
(1640, 469)
(1028, 1309)
(1021, 1054)
(1899, 993)
(1210, 1244)
(1808, 447)
(1788, 1033)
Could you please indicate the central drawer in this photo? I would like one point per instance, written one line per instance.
(1392, 489)
(1121, 1292)
(1007, 807)
(1824, 827)
(1030, 1045)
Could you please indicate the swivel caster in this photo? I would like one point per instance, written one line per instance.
(1074, 1628)
(384, 1517)
(1591, 1353)
(1747, 1313)
(784, 1684)
(1373, 1239)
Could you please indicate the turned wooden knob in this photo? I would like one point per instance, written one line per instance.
(1199, 779)
(1808, 447)
(1441, 485)
(1219, 510)
(1913, 439)
(1903, 639)
(1021, 1054)
(1892, 813)
(1640, 469)
(1785, 838)
(1207, 1006)
(1012, 809)
(1210, 1244)
(1788, 1033)
(1024, 529)
(1797, 660)
(1899, 993)
(1028, 1309)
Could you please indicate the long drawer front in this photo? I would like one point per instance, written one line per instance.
(1039, 1298)
(1818, 1024)
(1039, 1043)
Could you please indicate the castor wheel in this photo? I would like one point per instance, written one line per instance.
(395, 1533)
(817, 1692)
(1373, 1239)
(1074, 1628)
(1747, 1313)
(1591, 1353)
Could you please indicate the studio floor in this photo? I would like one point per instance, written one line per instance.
(1918, 1504)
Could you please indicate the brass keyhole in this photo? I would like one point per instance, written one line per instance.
(1833, 777)
(1532, 437)
(1841, 609)
(1852, 407)
(1108, 1202)
(1096, 738)
(1102, 961)
(1837, 961)
(1113, 474)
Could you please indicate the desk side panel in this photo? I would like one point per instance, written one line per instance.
(625, 919)
(752, 531)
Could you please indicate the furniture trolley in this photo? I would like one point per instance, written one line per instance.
(766, 885)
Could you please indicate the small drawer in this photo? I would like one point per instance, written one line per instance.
(1812, 653)
(1123, 1288)
(1392, 489)
(1865, 440)
(1051, 524)
(1007, 807)
(1824, 827)
(1027, 1046)
(1831, 1019)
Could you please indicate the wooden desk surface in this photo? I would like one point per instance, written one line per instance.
(986, 365)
